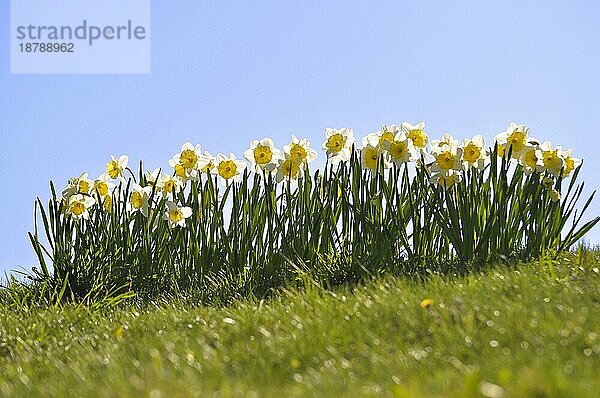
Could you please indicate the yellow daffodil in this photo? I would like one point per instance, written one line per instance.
(188, 156)
(474, 153)
(115, 168)
(530, 159)
(447, 154)
(176, 215)
(571, 163)
(379, 138)
(288, 169)
(78, 206)
(372, 156)
(228, 168)
(77, 185)
(206, 161)
(103, 185)
(168, 185)
(262, 155)
(139, 199)
(401, 149)
(299, 150)
(416, 134)
(446, 179)
(552, 158)
(338, 143)
(515, 139)
(152, 177)
(554, 195)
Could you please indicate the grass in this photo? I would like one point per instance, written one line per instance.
(513, 332)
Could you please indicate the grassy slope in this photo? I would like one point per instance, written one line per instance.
(533, 331)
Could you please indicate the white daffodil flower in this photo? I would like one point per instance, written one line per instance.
(288, 169)
(188, 156)
(552, 159)
(206, 162)
(228, 168)
(446, 179)
(103, 185)
(447, 140)
(338, 144)
(379, 138)
(262, 155)
(77, 185)
(169, 184)
(530, 159)
(571, 163)
(416, 134)
(447, 155)
(176, 215)
(139, 199)
(299, 150)
(115, 168)
(152, 177)
(474, 153)
(371, 156)
(515, 139)
(401, 149)
(78, 206)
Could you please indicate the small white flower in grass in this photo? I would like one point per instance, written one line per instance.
(530, 159)
(299, 150)
(262, 155)
(78, 206)
(571, 163)
(338, 144)
(552, 159)
(103, 185)
(416, 134)
(139, 199)
(515, 138)
(115, 168)
(228, 168)
(379, 138)
(401, 149)
(474, 153)
(169, 184)
(288, 169)
(446, 179)
(176, 215)
(371, 157)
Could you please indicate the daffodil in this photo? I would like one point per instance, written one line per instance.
(288, 168)
(474, 153)
(401, 149)
(379, 138)
(552, 158)
(206, 161)
(338, 143)
(515, 139)
(169, 184)
(447, 154)
(262, 155)
(139, 199)
(77, 185)
(228, 168)
(103, 185)
(571, 163)
(372, 156)
(530, 159)
(416, 134)
(78, 206)
(188, 156)
(554, 195)
(299, 150)
(176, 215)
(446, 179)
(116, 167)
(152, 177)
(547, 182)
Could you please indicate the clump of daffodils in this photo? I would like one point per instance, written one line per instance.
(447, 162)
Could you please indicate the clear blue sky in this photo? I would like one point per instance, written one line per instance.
(224, 73)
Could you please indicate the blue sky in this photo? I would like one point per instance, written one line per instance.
(224, 73)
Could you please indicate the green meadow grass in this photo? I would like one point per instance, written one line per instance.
(525, 331)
